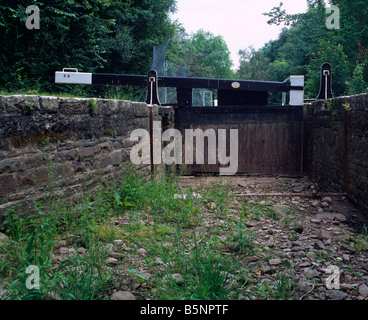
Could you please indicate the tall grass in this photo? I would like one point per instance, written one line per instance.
(35, 238)
(207, 273)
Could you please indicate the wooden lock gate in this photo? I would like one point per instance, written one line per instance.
(270, 137)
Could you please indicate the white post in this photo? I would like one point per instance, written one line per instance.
(297, 96)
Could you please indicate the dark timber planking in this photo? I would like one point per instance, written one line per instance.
(270, 137)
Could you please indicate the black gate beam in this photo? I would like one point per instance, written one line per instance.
(65, 77)
(184, 85)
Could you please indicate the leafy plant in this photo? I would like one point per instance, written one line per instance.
(284, 285)
(120, 204)
(245, 238)
(360, 241)
(92, 105)
(347, 106)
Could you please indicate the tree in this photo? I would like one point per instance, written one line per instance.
(203, 54)
(91, 35)
(306, 43)
(253, 65)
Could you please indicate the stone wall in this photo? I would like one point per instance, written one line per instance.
(76, 143)
(325, 136)
(73, 143)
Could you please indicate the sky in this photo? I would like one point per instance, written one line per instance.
(239, 22)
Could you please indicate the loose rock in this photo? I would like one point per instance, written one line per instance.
(299, 228)
(316, 221)
(142, 252)
(63, 250)
(116, 255)
(363, 290)
(328, 200)
(347, 248)
(319, 245)
(178, 278)
(234, 246)
(81, 250)
(275, 262)
(122, 295)
(336, 295)
(3, 238)
(324, 235)
(112, 262)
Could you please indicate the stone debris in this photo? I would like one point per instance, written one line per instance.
(305, 236)
(122, 295)
(324, 235)
(363, 290)
(112, 262)
(3, 238)
(178, 278)
(275, 262)
(142, 252)
(336, 295)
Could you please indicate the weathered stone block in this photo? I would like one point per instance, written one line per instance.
(142, 123)
(116, 157)
(11, 165)
(102, 161)
(140, 109)
(33, 161)
(106, 146)
(49, 105)
(86, 152)
(16, 197)
(103, 106)
(79, 167)
(26, 178)
(125, 108)
(64, 170)
(110, 107)
(41, 175)
(66, 155)
(72, 106)
(21, 104)
(8, 184)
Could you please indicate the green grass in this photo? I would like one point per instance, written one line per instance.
(78, 91)
(143, 212)
(258, 209)
(153, 215)
(207, 273)
(360, 240)
(45, 94)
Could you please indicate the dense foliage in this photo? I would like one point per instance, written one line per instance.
(306, 42)
(203, 53)
(118, 36)
(92, 35)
